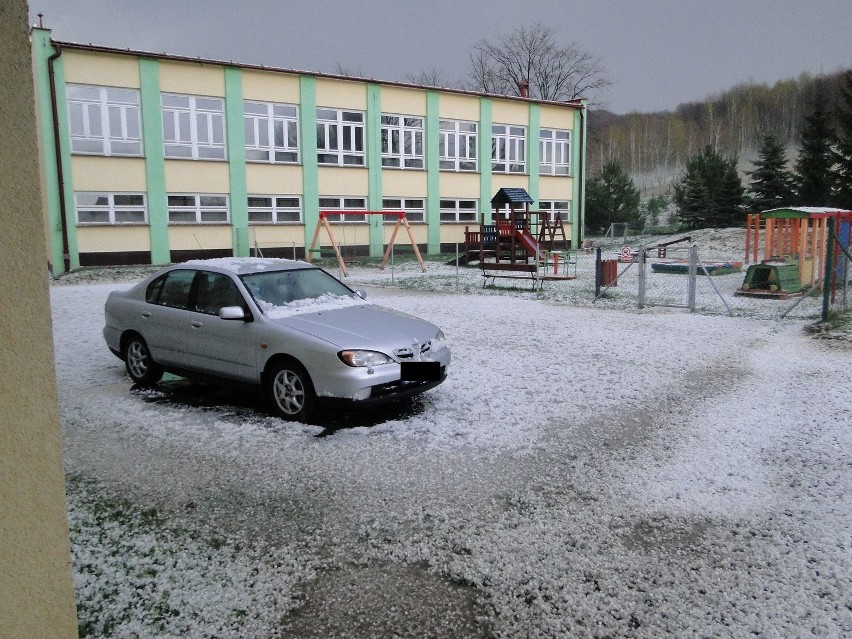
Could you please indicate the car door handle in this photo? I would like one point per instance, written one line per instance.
(196, 324)
(146, 314)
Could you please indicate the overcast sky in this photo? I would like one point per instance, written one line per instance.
(658, 53)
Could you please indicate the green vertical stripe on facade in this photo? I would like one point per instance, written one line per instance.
(237, 160)
(578, 171)
(433, 172)
(65, 155)
(374, 167)
(42, 50)
(308, 134)
(155, 170)
(533, 152)
(485, 125)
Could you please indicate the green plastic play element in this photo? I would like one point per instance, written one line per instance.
(774, 274)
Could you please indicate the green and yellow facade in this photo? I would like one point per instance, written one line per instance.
(441, 186)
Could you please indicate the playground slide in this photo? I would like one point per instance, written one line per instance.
(528, 241)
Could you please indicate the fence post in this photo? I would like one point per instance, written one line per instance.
(828, 275)
(693, 277)
(642, 276)
(598, 272)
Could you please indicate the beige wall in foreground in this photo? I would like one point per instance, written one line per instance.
(36, 588)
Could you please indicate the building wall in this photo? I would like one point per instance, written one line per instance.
(236, 175)
(36, 588)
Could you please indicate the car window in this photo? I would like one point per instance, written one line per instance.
(279, 288)
(215, 291)
(175, 289)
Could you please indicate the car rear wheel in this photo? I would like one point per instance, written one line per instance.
(140, 365)
(291, 391)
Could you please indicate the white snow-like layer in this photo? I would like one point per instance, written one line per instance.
(585, 472)
(327, 302)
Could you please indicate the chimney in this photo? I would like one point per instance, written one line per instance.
(524, 86)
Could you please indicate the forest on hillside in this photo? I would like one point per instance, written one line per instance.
(653, 148)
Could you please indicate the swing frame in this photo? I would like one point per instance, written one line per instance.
(323, 222)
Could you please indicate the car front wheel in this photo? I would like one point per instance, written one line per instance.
(291, 392)
(140, 365)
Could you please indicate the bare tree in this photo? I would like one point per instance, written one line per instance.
(533, 55)
(431, 77)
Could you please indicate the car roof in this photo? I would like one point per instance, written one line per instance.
(246, 265)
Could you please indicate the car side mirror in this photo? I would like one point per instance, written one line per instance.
(232, 313)
(362, 294)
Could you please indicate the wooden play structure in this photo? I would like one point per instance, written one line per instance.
(520, 244)
(323, 223)
(794, 242)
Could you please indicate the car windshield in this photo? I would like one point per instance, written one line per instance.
(273, 289)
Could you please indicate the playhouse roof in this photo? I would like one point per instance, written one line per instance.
(807, 212)
(511, 196)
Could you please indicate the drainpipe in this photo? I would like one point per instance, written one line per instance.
(57, 147)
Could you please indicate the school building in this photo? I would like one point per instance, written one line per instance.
(150, 158)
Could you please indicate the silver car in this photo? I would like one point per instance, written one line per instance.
(289, 328)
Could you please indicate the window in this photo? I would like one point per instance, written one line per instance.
(198, 209)
(110, 208)
(415, 209)
(274, 209)
(562, 207)
(458, 211)
(214, 291)
(171, 289)
(457, 145)
(340, 137)
(402, 141)
(555, 151)
(508, 149)
(104, 120)
(272, 132)
(342, 204)
(193, 127)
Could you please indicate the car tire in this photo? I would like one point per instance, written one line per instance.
(291, 392)
(141, 367)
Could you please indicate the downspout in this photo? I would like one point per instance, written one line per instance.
(57, 148)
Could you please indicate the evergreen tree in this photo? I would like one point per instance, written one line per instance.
(814, 179)
(771, 184)
(843, 156)
(710, 193)
(611, 197)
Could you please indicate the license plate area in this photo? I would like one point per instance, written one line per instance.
(420, 371)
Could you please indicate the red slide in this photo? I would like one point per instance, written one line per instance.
(528, 242)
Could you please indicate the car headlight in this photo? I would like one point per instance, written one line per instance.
(364, 358)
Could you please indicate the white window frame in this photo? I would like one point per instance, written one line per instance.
(200, 207)
(341, 137)
(104, 120)
(414, 207)
(458, 145)
(271, 132)
(460, 214)
(403, 141)
(555, 152)
(508, 148)
(193, 127)
(277, 208)
(343, 203)
(551, 207)
(106, 204)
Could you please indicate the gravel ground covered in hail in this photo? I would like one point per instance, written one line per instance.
(583, 472)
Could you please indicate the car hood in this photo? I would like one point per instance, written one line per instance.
(367, 326)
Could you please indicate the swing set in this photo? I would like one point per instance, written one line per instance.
(322, 222)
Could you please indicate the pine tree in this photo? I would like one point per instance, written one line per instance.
(771, 184)
(710, 193)
(843, 155)
(814, 179)
(611, 197)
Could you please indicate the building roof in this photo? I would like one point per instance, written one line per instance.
(576, 104)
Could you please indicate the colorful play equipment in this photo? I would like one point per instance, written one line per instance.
(794, 242)
(323, 223)
(520, 244)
